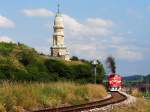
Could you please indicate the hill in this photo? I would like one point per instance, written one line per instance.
(133, 78)
(22, 63)
(136, 79)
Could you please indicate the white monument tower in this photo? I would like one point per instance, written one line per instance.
(58, 50)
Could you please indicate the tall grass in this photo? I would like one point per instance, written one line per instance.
(15, 96)
(140, 106)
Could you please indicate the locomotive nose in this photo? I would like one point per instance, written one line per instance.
(115, 82)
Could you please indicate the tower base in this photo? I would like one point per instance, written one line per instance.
(60, 53)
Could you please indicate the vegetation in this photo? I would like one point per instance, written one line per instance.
(135, 80)
(146, 94)
(140, 106)
(74, 58)
(147, 79)
(27, 80)
(21, 63)
(17, 96)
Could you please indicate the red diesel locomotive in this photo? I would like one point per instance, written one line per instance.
(114, 82)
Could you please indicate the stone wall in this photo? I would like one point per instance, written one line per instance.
(61, 53)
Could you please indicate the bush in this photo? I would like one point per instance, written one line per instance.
(82, 72)
(74, 58)
(21, 75)
(59, 68)
(2, 75)
(6, 48)
(78, 72)
(26, 57)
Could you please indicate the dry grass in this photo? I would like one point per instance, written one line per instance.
(15, 96)
(140, 106)
(73, 62)
(136, 93)
(94, 91)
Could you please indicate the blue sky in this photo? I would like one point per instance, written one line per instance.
(93, 29)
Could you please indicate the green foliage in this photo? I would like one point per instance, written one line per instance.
(6, 49)
(22, 63)
(74, 58)
(2, 75)
(83, 72)
(101, 71)
(58, 67)
(78, 72)
(146, 94)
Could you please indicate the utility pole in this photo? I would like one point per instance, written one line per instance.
(94, 63)
(147, 84)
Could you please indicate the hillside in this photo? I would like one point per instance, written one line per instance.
(20, 62)
(133, 78)
(136, 80)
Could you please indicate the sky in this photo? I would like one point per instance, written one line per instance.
(94, 29)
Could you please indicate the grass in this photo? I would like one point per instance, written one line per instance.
(73, 62)
(140, 106)
(16, 96)
(146, 94)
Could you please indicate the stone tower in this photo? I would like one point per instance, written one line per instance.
(58, 50)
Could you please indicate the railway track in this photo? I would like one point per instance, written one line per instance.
(116, 97)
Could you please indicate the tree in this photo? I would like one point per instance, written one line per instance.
(74, 58)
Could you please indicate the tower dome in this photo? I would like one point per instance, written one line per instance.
(58, 22)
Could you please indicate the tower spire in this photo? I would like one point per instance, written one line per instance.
(58, 6)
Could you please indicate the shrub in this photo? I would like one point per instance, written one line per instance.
(21, 75)
(59, 68)
(2, 75)
(82, 73)
(74, 58)
(26, 57)
(6, 48)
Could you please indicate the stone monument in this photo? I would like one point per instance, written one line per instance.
(59, 50)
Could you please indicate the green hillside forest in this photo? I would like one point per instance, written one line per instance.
(19, 62)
